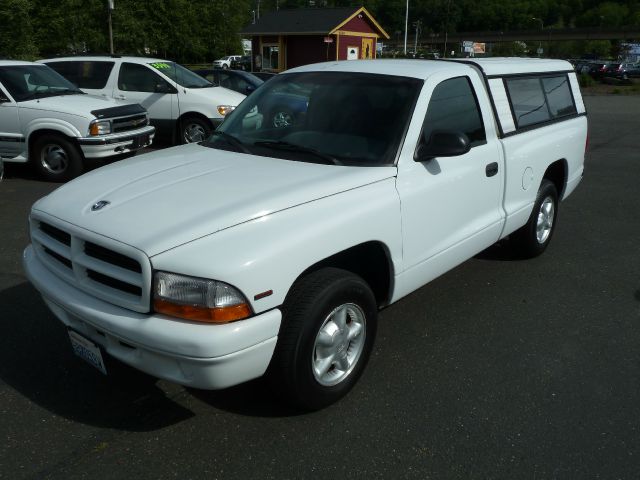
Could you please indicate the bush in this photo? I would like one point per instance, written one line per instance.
(586, 80)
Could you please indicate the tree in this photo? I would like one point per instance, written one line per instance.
(16, 35)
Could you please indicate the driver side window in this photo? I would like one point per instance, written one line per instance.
(453, 108)
(138, 78)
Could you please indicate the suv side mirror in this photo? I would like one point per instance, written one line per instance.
(442, 144)
(163, 87)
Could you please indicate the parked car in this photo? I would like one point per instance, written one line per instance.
(271, 250)
(598, 69)
(265, 76)
(182, 106)
(242, 63)
(622, 71)
(47, 121)
(236, 80)
(280, 110)
(225, 62)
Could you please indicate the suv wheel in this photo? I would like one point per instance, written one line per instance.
(56, 158)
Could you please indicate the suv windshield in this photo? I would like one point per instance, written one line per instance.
(181, 75)
(355, 119)
(26, 82)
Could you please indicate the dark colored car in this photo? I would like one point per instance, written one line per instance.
(242, 63)
(264, 75)
(622, 71)
(283, 109)
(598, 69)
(237, 80)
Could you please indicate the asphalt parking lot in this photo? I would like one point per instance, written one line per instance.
(499, 369)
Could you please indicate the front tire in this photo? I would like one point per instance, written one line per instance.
(194, 129)
(56, 159)
(534, 237)
(328, 330)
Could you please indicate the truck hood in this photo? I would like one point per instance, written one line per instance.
(164, 199)
(79, 105)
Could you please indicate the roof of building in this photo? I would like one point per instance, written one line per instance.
(297, 21)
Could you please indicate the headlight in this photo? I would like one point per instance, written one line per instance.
(100, 127)
(198, 299)
(225, 109)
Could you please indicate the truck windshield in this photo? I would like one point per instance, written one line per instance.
(354, 119)
(181, 75)
(26, 82)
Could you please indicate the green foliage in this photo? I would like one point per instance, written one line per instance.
(586, 80)
(202, 30)
(16, 33)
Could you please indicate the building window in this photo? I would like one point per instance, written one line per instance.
(270, 57)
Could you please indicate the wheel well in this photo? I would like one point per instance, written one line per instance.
(557, 174)
(34, 136)
(370, 260)
(192, 114)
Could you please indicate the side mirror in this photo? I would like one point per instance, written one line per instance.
(442, 144)
(164, 88)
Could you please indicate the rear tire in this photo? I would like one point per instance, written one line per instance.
(56, 159)
(328, 330)
(534, 237)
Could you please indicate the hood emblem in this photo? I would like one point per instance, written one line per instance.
(99, 205)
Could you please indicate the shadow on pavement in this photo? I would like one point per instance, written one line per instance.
(252, 399)
(500, 251)
(36, 360)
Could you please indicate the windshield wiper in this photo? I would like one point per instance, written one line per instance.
(68, 91)
(292, 147)
(232, 140)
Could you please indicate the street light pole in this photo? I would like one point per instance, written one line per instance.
(110, 7)
(542, 29)
(446, 29)
(406, 26)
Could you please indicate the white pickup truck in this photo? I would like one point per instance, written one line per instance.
(271, 249)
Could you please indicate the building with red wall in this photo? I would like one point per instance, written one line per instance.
(289, 38)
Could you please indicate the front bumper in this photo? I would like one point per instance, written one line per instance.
(104, 146)
(191, 354)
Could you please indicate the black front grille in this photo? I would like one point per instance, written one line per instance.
(128, 123)
(114, 283)
(56, 233)
(65, 261)
(114, 258)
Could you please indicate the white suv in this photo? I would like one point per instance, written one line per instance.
(46, 120)
(182, 106)
(225, 62)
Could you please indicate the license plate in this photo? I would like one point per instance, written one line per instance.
(141, 141)
(87, 350)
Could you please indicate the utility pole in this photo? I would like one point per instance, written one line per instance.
(541, 28)
(406, 26)
(446, 29)
(418, 24)
(110, 8)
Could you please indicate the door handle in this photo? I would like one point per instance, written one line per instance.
(120, 97)
(491, 169)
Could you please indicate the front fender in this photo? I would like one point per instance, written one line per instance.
(55, 124)
(270, 253)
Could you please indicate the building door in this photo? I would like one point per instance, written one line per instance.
(367, 48)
